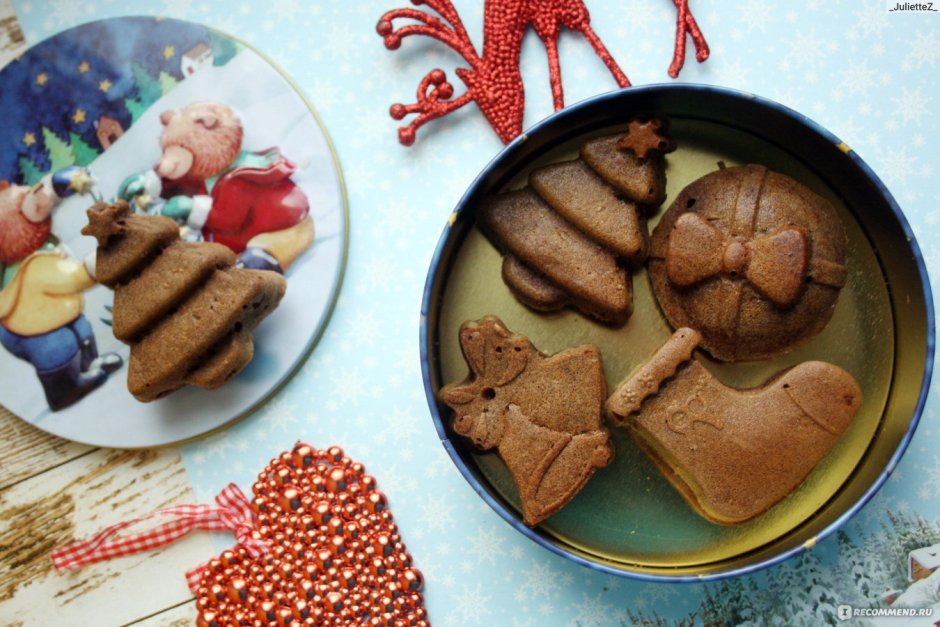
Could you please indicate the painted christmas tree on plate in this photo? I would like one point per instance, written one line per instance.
(60, 109)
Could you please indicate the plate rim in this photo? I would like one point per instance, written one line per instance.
(506, 154)
(314, 339)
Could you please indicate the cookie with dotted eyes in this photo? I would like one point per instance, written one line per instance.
(752, 259)
(542, 414)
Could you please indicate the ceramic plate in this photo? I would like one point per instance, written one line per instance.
(628, 519)
(92, 97)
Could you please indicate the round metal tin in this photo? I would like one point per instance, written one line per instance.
(628, 520)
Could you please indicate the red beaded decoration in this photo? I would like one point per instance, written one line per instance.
(336, 557)
(494, 80)
(686, 24)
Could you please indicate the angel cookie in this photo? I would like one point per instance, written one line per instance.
(542, 414)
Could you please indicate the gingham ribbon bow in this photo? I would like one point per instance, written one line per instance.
(233, 513)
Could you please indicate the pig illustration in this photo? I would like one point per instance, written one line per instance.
(41, 302)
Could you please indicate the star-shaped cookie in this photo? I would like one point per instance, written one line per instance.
(106, 220)
(645, 136)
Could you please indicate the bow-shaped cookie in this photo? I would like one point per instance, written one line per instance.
(776, 264)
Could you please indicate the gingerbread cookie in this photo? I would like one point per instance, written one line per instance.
(615, 159)
(568, 237)
(582, 198)
(541, 413)
(733, 454)
(183, 308)
(752, 259)
(531, 288)
(560, 255)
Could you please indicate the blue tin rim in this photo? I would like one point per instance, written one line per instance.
(558, 118)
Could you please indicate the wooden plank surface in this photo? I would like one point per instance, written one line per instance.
(74, 500)
(27, 451)
(179, 616)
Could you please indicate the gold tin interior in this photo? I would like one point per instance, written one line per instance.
(629, 517)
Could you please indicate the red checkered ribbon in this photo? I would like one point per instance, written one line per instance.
(234, 513)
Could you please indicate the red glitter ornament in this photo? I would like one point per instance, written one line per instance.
(686, 24)
(494, 80)
(318, 546)
(336, 555)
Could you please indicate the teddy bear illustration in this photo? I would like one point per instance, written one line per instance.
(41, 302)
(245, 200)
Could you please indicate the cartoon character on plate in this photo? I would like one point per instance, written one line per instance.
(242, 199)
(41, 302)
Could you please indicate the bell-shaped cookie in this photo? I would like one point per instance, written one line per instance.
(542, 414)
(752, 259)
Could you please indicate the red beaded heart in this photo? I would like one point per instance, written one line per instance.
(335, 555)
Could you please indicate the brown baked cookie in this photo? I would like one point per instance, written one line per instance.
(582, 198)
(733, 454)
(521, 224)
(541, 413)
(752, 259)
(185, 310)
(568, 236)
(646, 137)
(531, 288)
(641, 180)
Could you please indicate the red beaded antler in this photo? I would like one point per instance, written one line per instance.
(494, 80)
(685, 23)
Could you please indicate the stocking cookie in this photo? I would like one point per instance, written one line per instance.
(733, 454)
(541, 413)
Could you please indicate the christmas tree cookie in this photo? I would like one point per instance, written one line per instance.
(184, 309)
(542, 414)
(569, 237)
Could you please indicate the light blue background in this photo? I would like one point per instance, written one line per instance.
(868, 75)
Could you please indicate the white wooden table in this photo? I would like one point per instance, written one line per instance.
(53, 491)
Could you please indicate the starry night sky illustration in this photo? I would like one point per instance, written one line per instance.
(68, 82)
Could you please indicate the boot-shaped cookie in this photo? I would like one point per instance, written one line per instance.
(541, 413)
(733, 454)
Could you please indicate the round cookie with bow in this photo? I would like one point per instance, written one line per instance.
(752, 259)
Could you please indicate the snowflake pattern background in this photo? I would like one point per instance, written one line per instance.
(860, 71)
